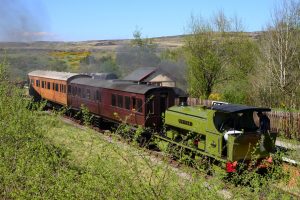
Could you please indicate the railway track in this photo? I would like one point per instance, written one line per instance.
(286, 147)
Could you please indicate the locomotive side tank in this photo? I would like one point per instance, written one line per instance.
(226, 132)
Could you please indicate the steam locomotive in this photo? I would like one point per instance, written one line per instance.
(227, 133)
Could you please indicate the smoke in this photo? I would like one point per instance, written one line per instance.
(20, 21)
(176, 70)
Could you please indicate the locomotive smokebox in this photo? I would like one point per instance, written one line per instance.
(183, 101)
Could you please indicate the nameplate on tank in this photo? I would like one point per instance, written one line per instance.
(181, 121)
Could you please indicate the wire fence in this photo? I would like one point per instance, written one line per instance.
(284, 123)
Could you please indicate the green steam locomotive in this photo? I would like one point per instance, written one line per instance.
(227, 133)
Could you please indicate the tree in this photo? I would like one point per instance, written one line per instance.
(215, 54)
(281, 55)
(138, 41)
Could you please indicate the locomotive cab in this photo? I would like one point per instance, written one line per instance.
(242, 136)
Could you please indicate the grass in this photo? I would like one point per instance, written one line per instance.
(127, 171)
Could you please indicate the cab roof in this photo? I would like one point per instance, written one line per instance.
(236, 108)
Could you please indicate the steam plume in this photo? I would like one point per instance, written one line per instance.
(19, 22)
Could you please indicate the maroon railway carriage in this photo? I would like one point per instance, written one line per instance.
(120, 101)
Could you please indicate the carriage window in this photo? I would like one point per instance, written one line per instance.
(43, 84)
(53, 86)
(139, 105)
(133, 102)
(120, 101)
(74, 91)
(79, 92)
(56, 87)
(83, 93)
(88, 94)
(127, 103)
(98, 97)
(48, 85)
(64, 89)
(37, 83)
(113, 100)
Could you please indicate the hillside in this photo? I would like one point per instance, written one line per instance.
(99, 45)
(90, 56)
(91, 45)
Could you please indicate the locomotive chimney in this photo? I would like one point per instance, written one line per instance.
(183, 101)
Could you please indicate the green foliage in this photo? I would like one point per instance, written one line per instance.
(29, 168)
(23, 61)
(216, 56)
(280, 51)
(145, 43)
(261, 183)
(110, 65)
(104, 64)
(236, 92)
(87, 117)
(3, 72)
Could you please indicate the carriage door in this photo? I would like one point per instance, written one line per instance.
(163, 102)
